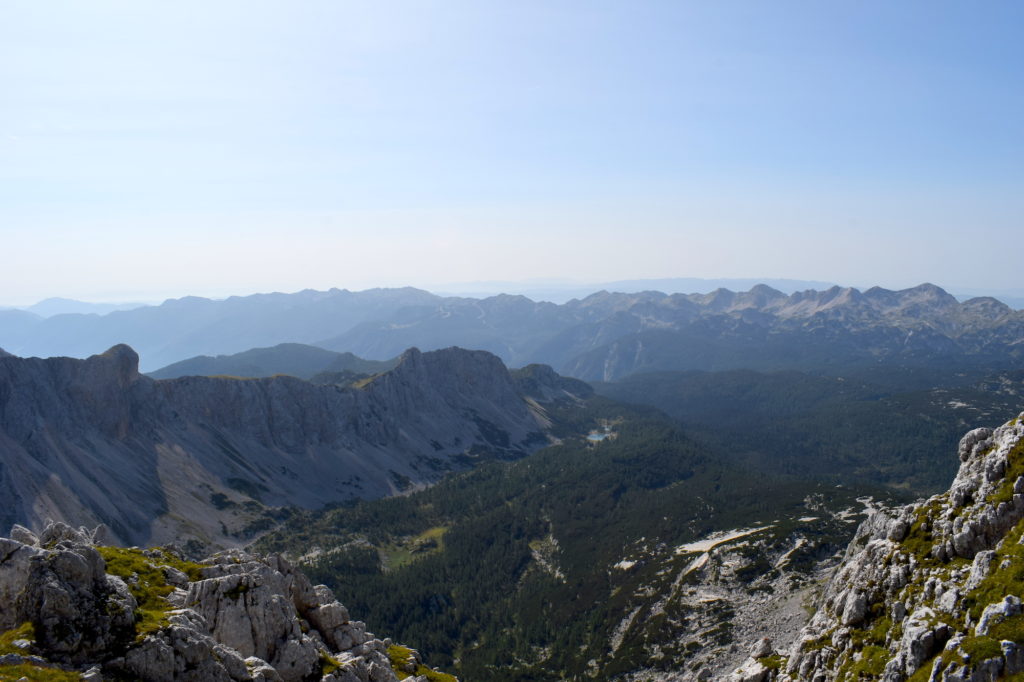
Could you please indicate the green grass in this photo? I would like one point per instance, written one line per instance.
(919, 540)
(149, 587)
(981, 648)
(23, 631)
(10, 673)
(401, 553)
(328, 664)
(1011, 629)
(871, 664)
(774, 662)
(1002, 580)
(399, 657)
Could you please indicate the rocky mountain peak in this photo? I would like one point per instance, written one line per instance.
(244, 444)
(987, 307)
(933, 291)
(124, 361)
(930, 591)
(542, 384)
(5, 354)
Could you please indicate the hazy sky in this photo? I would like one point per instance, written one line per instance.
(160, 149)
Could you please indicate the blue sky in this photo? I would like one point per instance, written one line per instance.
(161, 149)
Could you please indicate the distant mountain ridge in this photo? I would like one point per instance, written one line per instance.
(186, 327)
(607, 335)
(601, 337)
(93, 441)
(293, 359)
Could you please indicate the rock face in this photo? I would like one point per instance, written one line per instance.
(148, 615)
(931, 591)
(94, 442)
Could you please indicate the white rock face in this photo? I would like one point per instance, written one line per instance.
(905, 597)
(248, 618)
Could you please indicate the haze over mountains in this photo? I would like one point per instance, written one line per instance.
(603, 336)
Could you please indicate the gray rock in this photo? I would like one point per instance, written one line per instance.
(762, 648)
(969, 444)
(878, 566)
(981, 567)
(855, 607)
(997, 613)
(918, 642)
(24, 536)
(240, 623)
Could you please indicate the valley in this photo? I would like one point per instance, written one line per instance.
(521, 524)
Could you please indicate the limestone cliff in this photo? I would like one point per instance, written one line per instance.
(74, 609)
(931, 591)
(93, 441)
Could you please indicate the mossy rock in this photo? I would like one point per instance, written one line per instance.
(400, 657)
(145, 578)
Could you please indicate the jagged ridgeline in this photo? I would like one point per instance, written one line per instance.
(76, 609)
(217, 460)
(628, 551)
(930, 591)
(604, 336)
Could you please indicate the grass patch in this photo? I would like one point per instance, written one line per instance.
(400, 658)
(405, 551)
(1011, 629)
(24, 631)
(145, 579)
(773, 662)
(919, 540)
(35, 673)
(1001, 581)
(328, 664)
(363, 383)
(981, 648)
(870, 664)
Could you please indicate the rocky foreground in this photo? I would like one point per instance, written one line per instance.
(74, 609)
(927, 592)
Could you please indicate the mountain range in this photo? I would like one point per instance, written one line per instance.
(604, 336)
(674, 591)
(93, 441)
(679, 522)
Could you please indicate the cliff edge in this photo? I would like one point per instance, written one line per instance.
(927, 592)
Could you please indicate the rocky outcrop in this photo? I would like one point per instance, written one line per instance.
(931, 591)
(113, 613)
(94, 442)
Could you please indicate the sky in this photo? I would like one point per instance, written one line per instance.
(152, 150)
